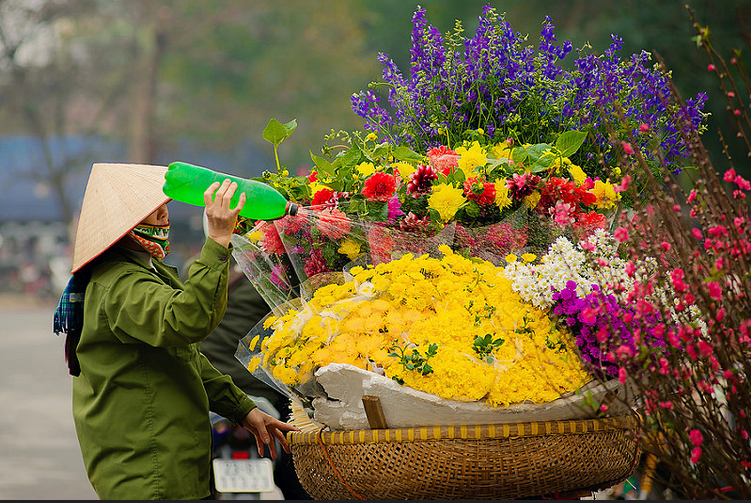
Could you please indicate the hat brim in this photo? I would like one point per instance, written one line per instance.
(117, 198)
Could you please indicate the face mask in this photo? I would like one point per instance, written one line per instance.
(155, 238)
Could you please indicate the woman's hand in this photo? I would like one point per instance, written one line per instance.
(263, 427)
(222, 219)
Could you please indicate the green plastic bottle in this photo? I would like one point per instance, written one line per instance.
(186, 183)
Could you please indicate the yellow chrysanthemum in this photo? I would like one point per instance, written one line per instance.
(405, 169)
(577, 174)
(435, 309)
(256, 236)
(365, 169)
(501, 150)
(471, 158)
(350, 248)
(606, 195)
(501, 194)
(529, 257)
(532, 200)
(446, 200)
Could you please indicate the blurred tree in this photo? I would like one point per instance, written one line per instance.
(40, 75)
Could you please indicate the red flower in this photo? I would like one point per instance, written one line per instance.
(421, 179)
(379, 187)
(271, 240)
(315, 264)
(484, 198)
(321, 197)
(520, 186)
(443, 159)
(561, 190)
(587, 223)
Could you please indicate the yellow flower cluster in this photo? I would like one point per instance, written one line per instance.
(405, 307)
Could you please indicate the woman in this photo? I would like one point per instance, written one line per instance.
(142, 391)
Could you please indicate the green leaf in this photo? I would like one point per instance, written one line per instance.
(407, 155)
(275, 132)
(569, 142)
(519, 155)
(349, 159)
(323, 164)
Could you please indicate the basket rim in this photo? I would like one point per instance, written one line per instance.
(463, 432)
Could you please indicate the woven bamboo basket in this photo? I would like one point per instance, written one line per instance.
(501, 461)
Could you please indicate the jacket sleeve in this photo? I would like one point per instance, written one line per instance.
(145, 307)
(225, 398)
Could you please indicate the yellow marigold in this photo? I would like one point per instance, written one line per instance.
(606, 195)
(446, 200)
(471, 158)
(529, 257)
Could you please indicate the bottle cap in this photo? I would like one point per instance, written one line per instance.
(292, 209)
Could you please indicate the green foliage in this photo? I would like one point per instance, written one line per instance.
(414, 361)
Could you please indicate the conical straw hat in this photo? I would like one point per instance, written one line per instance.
(117, 198)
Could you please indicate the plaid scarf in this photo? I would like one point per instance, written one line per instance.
(68, 317)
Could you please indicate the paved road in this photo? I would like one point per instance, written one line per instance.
(39, 455)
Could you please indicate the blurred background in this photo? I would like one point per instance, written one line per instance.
(85, 81)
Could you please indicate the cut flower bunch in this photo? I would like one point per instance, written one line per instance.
(450, 326)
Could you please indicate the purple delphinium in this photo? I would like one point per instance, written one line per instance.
(602, 325)
(495, 82)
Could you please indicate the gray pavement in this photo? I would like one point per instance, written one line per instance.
(39, 454)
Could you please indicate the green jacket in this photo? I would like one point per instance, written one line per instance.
(141, 404)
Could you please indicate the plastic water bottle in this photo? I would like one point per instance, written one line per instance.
(186, 183)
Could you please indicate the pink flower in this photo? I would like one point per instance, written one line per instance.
(715, 290)
(622, 375)
(623, 185)
(443, 159)
(627, 148)
(695, 454)
(621, 234)
(589, 314)
(710, 67)
(644, 127)
(742, 182)
(705, 349)
(729, 175)
(691, 196)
